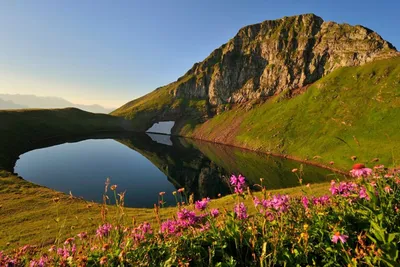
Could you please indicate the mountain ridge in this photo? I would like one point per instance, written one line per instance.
(7, 104)
(350, 68)
(260, 61)
(34, 101)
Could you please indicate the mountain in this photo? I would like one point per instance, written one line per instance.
(256, 90)
(6, 104)
(33, 101)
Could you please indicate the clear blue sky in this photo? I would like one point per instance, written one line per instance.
(109, 52)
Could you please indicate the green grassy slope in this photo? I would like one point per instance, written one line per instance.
(21, 129)
(354, 111)
(155, 106)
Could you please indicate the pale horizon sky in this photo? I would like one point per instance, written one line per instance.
(110, 52)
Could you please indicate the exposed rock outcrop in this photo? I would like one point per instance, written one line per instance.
(276, 55)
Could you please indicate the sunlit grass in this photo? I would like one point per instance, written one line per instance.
(357, 223)
(353, 111)
(29, 214)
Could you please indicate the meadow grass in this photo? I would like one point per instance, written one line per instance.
(353, 111)
(29, 214)
(357, 224)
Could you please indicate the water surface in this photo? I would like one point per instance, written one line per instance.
(145, 164)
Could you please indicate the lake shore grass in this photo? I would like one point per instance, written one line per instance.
(36, 215)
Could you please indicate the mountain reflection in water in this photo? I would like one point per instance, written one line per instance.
(145, 164)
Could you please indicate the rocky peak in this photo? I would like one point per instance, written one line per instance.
(267, 58)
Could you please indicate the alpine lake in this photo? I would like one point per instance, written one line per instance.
(146, 164)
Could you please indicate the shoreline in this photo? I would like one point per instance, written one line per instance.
(267, 153)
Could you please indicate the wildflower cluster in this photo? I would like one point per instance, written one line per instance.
(186, 218)
(315, 201)
(359, 170)
(202, 204)
(240, 211)
(104, 230)
(277, 230)
(238, 183)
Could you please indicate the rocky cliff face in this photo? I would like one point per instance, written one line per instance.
(277, 55)
(273, 57)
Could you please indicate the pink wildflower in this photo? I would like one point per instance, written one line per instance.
(69, 241)
(146, 228)
(205, 227)
(359, 170)
(169, 227)
(363, 193)
(214, 213)
(256, 202)
(43, 261)
(337, 236)
(104, 230)
(241, 211)
(304, 201)
(278, 202)
(388, 189)
(82, 235)
(379, 167)
(323, 200)
(103, 260)
(187, 215)
(202, 204)
(140, 232)
(238, 183)
(344, 189)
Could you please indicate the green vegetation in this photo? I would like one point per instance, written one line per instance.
(357, 224)
(353, 111)
(29, 214)
(144, 111)
(32, 214)
(278, 171)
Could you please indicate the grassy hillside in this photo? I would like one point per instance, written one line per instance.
(162, 105)
(354, 111)
(21, 129)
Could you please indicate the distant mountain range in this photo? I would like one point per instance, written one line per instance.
(17, 101)
(6, 104)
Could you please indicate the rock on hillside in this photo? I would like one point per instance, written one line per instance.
(276, 55)
(262, 60)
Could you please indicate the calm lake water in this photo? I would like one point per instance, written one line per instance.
(145, 164)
